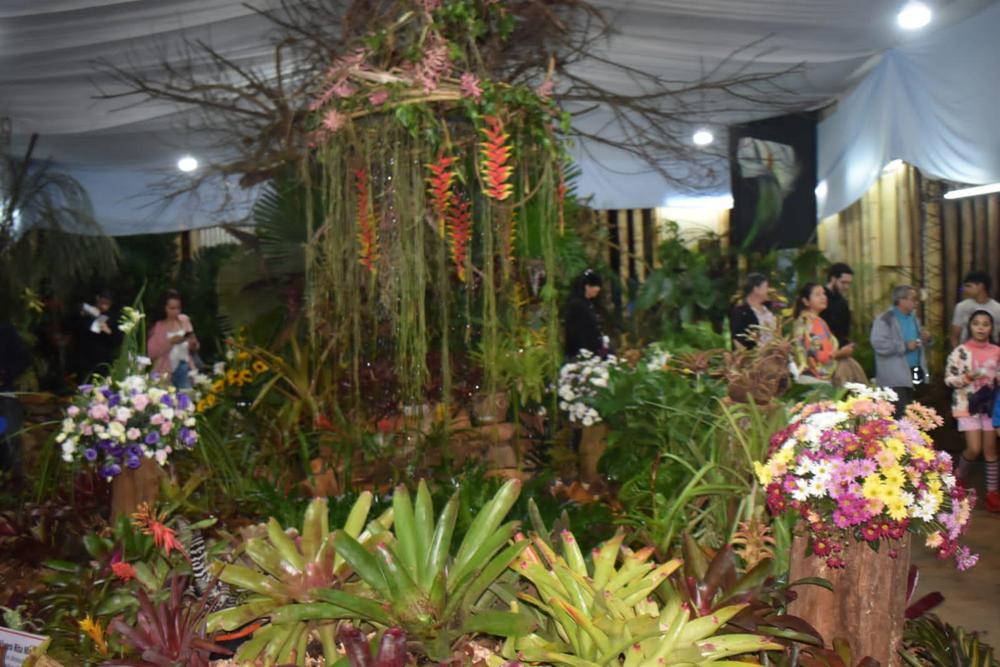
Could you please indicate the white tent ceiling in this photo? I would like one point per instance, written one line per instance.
(48, 83)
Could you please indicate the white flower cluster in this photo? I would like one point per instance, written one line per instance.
(871, 393)
(130, 319)
(579, 381)
(656, 358)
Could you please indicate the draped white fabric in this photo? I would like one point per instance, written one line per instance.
(932, 103)
(47, 85)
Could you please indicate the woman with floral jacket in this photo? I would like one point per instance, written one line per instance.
(972, 372)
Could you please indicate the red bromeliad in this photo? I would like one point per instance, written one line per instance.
(439, 189)
(367, 234)
(494, 155)
(460, 228)
(151, 523)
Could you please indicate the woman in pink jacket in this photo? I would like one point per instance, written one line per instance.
(172, 340)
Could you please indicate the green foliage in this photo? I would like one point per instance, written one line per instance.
(594, 614)
(288, 579)
(424, 589)
(928, 641)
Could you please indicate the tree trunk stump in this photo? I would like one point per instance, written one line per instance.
(868, 601)
(132, 488)
(592, 446)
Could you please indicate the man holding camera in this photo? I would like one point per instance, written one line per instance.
(899, 342)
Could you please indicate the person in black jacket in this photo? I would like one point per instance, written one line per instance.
(583, 328)
(751, 320)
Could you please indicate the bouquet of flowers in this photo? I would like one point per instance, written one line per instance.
(117, 421)
(853, 472)
(116, 424)
(579, 382)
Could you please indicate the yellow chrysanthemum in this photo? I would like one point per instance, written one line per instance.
(231, 376)
(896, 507)
(894, 477)
(922, 453)
(896, 446)
(259, 366)
(218, 386)
(763, 472)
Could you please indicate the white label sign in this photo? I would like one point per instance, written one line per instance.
(18, 645)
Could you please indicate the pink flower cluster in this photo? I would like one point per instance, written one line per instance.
(853, 472)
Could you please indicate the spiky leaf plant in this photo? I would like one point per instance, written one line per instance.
(169, 634)
(597, 614)
(285, 581)
(425, 590)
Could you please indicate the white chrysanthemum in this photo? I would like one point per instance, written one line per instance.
(948, 480)
(801, 491)
(816, 488)
(219, 368)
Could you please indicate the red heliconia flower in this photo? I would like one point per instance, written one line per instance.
(367, 233)
(439, 189)
(459, 231)
(123, 570)
(494, 165)
(152, 524)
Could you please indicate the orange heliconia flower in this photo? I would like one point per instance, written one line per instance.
(494, 166)
(459, 231)
(439, 189)
(367, 232)
(152, 524)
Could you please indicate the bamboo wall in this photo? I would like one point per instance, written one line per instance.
(903, 232)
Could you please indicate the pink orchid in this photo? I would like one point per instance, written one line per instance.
(165, 428)
(469, 83)
(333, 121)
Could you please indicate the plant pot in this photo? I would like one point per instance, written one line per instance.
(490, 408)
(868, 601)
(132, 488)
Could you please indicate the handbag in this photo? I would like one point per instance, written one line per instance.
(981, 401)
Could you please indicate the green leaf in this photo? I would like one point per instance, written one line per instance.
(361, 561)
(364, 608)
(500, 624)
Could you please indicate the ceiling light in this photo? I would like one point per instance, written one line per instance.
(703, 137)
(821, 190)
(187, 163)
(973, 192)
(913, 16)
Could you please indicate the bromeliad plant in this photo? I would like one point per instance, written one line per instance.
(419, 586)
(599, 615)
(289, 582)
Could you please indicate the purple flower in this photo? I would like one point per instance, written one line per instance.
(114, 400)
(153, 438)
(188, 437)
(183, 401)
(85, 388)
(90, 454)
(965, 559)
(133, 450)
(106, 392)
(112, 470)
(167, 401)
(133, 462)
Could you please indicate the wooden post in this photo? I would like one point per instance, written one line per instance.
(592, 446)
(132, 488)
(868, 601)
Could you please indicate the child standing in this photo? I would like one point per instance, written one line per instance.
(972, 370)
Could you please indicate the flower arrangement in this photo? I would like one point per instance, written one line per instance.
(579, 382)
(115, 424)
(853, 472)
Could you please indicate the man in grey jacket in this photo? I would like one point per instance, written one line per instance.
(899, 342)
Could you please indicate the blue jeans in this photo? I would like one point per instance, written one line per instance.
(180, 378)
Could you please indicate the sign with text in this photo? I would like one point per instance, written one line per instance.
(18, 645)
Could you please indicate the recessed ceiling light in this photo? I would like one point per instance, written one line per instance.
(703, 137)
(187, 163)
(913, 16)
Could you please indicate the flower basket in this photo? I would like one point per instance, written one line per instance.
(867, 604)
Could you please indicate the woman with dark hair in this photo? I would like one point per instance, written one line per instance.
(751, 321)
(172, 341)
(815, 349)
(583, 328)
